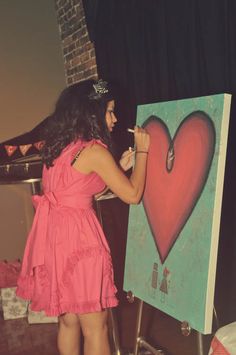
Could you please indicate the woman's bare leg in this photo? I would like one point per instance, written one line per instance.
(68, 339)
(95, 331)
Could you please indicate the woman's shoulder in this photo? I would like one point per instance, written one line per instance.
(92, 153)
(92, 150)
(95, 143)
(74, 149)
(95, 149)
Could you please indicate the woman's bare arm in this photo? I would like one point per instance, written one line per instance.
(98, 159)
(129, 190)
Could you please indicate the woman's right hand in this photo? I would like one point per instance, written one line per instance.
(98, 159)
(141, 139)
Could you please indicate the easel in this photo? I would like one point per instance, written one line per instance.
(140, 341)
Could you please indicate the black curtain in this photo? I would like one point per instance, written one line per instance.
(160, 50)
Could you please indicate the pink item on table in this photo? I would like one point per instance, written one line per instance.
(9, 273)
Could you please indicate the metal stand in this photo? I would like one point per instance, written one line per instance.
(111, 312)
(114, 331)
(140, 342)
(215, 317)
(35, 183)
(186, 330)
(200, 344)
(35, 187)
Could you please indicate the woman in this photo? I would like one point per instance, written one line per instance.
(67, 269)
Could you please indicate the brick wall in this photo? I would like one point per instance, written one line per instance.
(78, 51)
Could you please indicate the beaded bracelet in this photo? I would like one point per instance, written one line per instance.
(141, 151)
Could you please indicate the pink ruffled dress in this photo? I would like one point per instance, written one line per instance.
(67, 263)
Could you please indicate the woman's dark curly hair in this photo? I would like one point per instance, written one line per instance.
(79, 114)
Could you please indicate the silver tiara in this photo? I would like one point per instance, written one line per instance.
(100, 88)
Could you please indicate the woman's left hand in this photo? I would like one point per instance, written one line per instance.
(127, 159)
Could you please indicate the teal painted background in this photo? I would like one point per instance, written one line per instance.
(188, 260)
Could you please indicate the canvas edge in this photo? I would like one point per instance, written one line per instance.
(217, 214)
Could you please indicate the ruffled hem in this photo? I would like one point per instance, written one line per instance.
(26, 284)
(39, 291)
(77, 308)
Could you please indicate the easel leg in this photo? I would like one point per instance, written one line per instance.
(138, 327)
(140, 342)
(115, 332)
(217, 323)
(200, 344)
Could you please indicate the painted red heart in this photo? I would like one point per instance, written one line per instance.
(174, 186)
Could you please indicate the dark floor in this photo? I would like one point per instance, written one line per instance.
(17, 337)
